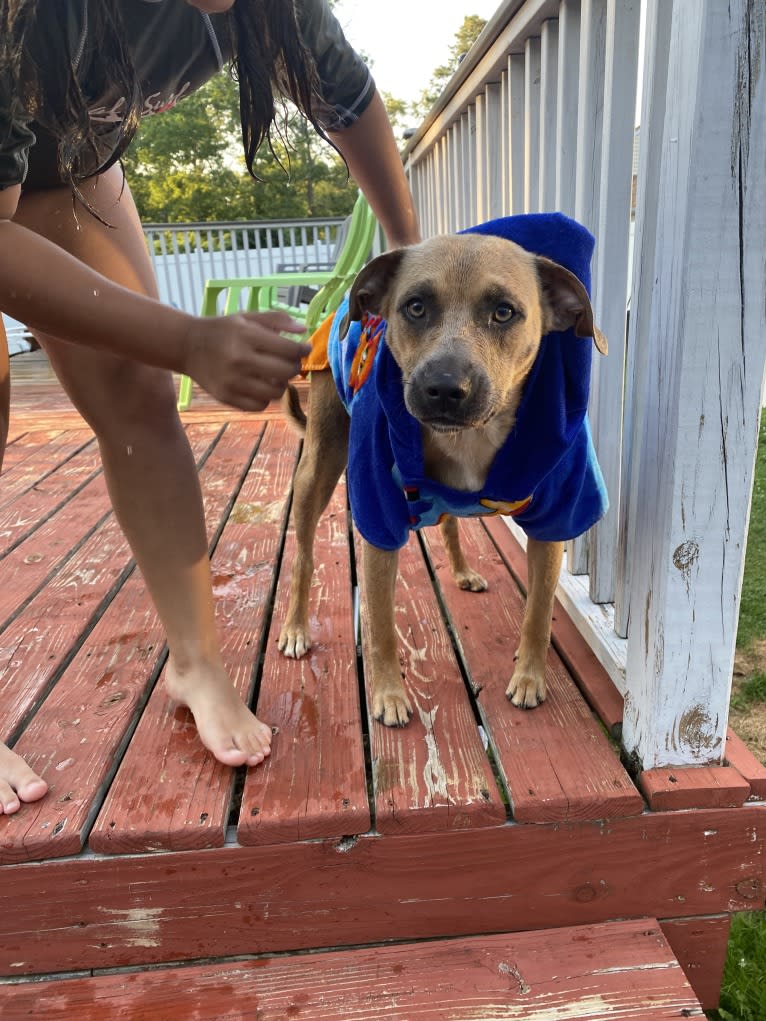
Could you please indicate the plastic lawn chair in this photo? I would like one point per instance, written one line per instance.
(260, 294)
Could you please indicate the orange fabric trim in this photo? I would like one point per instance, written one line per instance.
(319, 340)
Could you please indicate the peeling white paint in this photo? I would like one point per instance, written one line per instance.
(434, 775)
(143, 922)
(586, 1006)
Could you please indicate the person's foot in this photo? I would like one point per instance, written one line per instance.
(18, 783)
(225, 725)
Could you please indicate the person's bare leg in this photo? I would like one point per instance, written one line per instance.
(17, 781)
(149, 468)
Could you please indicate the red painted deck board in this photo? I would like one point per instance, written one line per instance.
(170, 793)
(432, 774)
(27, 566)
(31, 509)
(594, 682)
(556, 760)
(314, 784)
(116, 911)
(84, 722)
(742, 759)
(22, 443)
(53, 455)
(623, 970)
(317, 887)
(674, 789)
(34, 647)
(45, 634)
(700, 946)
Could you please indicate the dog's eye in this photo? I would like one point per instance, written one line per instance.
(503, 313)
(415, 308)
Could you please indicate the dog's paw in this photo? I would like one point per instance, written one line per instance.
(526, 690)
(294, 641)
(392, 708)
(470, 581)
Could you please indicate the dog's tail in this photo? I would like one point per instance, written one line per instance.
(292, 410)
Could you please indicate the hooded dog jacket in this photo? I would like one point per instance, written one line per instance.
(545, 475)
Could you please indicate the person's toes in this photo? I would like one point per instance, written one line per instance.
(18, 783)
(255, 747)
(229, 756)
(9, 801)
(32, 789)
(14, 793)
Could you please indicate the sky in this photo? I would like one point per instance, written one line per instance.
(406, 40)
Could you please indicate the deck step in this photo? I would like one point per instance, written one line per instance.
(622, 970)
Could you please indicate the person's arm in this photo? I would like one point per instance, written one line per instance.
(369, 148)
(366, 139)
(242, 359)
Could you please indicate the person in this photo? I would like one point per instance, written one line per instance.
(75, 78)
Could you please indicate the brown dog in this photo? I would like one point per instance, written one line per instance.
(465, 315)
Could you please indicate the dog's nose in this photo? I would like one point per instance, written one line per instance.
(445, 391)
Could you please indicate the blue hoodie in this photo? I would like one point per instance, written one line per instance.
(545, 475)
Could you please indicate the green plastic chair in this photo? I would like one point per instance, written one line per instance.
(260, 294)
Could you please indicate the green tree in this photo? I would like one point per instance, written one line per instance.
(398, 113)
(465, 37)
(187, 165)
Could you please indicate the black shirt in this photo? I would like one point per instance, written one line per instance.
(175, 49)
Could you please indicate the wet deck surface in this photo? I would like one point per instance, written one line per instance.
(140, 818)
(83, 655)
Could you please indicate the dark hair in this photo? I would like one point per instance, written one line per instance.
(270, 59)
(32, 40)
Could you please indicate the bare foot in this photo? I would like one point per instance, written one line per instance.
(17, 782)
(225, 725)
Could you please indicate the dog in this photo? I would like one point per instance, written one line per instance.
(461, 319)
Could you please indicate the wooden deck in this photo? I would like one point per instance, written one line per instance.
(476, 819)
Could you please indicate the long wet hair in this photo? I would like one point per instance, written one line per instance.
(270, 62)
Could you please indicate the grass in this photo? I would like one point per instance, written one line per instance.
(743, 993)
(752, 614)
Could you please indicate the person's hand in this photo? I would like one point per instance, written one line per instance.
(244, 359)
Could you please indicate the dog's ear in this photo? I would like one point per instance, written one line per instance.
(371, 284)
(566, 303)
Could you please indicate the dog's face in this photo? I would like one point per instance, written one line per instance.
(465, 315)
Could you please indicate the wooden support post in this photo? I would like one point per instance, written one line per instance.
(698, 385)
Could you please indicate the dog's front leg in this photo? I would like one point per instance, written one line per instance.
(527, 687)
(322, 461)
(390, 703)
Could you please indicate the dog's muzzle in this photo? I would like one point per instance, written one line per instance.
(448, 393)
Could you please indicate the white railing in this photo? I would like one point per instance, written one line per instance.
(540, 116)
(185, 255)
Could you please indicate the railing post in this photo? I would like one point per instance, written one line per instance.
(532, 125)
(655, 76)
(549, 69)
(590, 114)
(691, 474)
(566, 105)
(611, 276)
(516, 132)
(493, 174)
